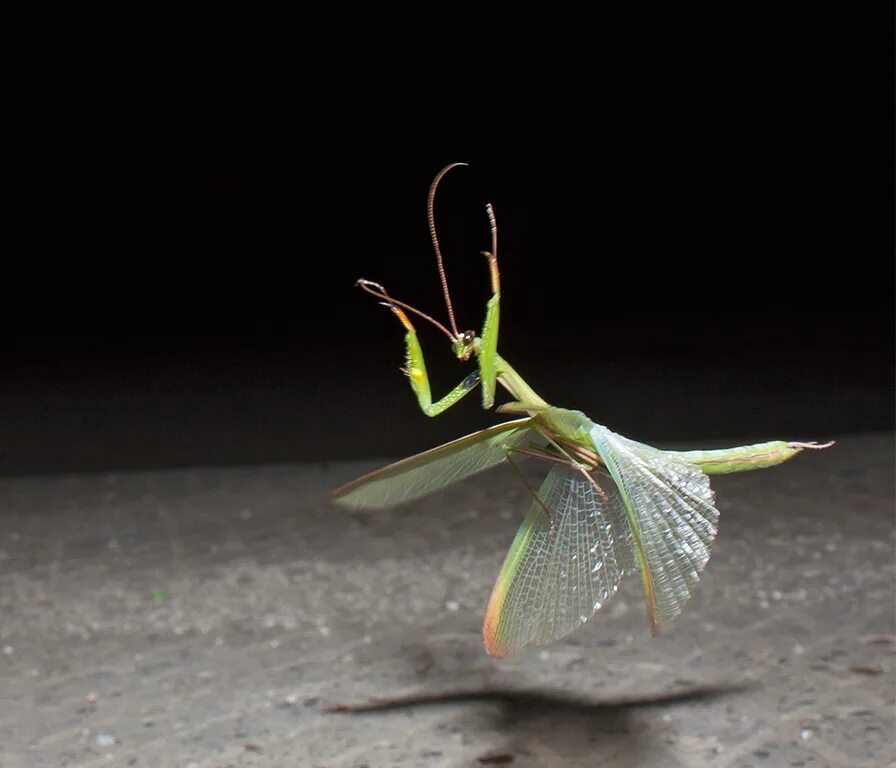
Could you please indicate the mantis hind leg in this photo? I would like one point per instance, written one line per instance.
(509, 451)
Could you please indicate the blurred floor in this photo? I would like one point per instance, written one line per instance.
(209, 617)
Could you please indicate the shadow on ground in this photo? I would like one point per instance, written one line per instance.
(538, 721)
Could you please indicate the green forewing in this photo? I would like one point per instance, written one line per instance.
(432, 470)
(669, 505)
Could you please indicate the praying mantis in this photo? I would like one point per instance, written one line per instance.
(607, 507)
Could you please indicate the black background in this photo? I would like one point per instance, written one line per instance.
(696, 213)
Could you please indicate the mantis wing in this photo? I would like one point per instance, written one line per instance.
(669, 506)
(659, 515)
(432, 470)
(559, 570)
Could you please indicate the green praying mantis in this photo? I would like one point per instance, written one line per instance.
(608, 505)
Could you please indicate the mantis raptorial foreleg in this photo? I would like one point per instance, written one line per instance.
(416, 373)
(488, 353)
(416, 366)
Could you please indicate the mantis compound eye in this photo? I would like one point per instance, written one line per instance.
(469, 336)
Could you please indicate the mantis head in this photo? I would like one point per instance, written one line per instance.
(464, 345)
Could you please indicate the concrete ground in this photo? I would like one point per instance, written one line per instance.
(213, 617)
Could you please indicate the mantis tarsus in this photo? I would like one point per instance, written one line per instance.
(608, 506)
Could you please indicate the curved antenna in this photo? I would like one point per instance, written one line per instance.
(493, 223)
(430, 201)
(377, 290)
(493, 255)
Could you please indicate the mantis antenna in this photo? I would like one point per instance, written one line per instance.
(493, 223)
(435, 242)
(375, 289)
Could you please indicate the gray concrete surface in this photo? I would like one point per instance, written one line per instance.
(210, 618)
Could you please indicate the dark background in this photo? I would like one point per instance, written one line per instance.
(696, 214)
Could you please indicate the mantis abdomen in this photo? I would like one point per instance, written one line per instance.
(744, 457)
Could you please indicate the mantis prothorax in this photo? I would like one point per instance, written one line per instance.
(608, 506)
